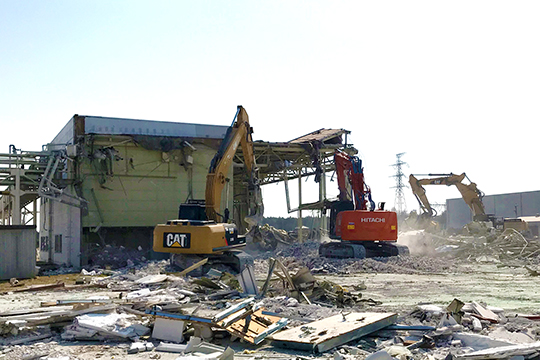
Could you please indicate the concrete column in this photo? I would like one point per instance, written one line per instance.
(322, 195)
(300, 231)
(3, 205)
(16, 210)
(34, 212)
(50, 230)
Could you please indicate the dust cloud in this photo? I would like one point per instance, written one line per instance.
(418, 241)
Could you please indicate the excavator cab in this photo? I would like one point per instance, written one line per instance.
(193, 209)
(335, 208)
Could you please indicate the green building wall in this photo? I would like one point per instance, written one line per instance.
(140, 187)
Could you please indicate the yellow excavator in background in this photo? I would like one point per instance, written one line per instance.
(469, 192)
(202, 229)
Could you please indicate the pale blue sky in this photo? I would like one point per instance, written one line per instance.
(455, 85)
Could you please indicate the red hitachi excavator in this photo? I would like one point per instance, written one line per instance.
(362, 231)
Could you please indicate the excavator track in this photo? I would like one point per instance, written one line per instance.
(237, 260)
(342, 250)
(367, 249)
(385, 249)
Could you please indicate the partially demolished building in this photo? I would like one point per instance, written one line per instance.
(108, 181)
(119, 178)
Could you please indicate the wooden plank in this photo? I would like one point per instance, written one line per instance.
(40, 287)
(323, 335)
(502, 352)
(152, 279)
(33, 311)
(271, 267)
(30, 339)
(193, 267)
(286, 274)
(52, 317)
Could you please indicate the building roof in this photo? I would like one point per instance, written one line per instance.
(530, 219)
(121, 126)
(275, 159)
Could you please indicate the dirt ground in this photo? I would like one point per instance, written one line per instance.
(512, 289)
(397, 285)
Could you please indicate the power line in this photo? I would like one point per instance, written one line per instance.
(399, 202)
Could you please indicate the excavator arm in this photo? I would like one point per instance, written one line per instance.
(239, 134)
(469, 192)
(350, 172)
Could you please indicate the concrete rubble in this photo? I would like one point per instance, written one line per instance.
(287, 305)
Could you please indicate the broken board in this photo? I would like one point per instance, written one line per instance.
(323, 335)
(502, 352)
(254, 327)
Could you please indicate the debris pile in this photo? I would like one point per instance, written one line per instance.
(509, 247)
(274, 308)
(115, 257)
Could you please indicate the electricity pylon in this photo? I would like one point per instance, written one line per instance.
(399, 202)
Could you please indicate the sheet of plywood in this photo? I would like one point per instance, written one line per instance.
(325, 334)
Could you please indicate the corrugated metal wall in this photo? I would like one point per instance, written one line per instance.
(458, 213)
(60, 235)
(17, 252)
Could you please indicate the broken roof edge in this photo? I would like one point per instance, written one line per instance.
(262, 143)
(320, 135)
(284, 147)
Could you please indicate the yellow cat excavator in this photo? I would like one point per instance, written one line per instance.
(202, 229)
(469, 192)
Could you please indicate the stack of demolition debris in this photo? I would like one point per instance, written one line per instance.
(144, 310)
(306, 255)
(507, 246)
(267, 238)
(475, 331)
(114, 257)
(166, 307)
(280, 235)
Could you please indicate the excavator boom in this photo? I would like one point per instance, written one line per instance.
(238, 134)
(350, 167)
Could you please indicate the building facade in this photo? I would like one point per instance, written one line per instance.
(114, 179)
